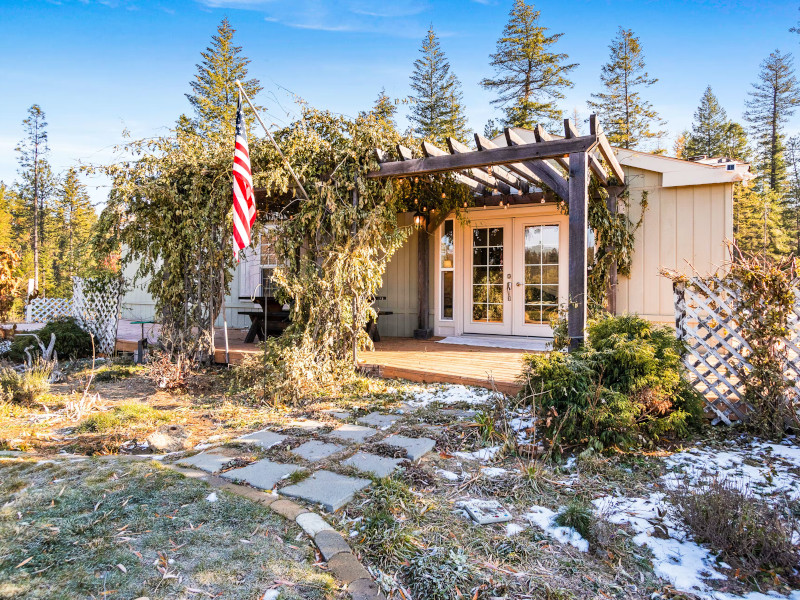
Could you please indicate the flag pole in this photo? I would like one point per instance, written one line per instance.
(272, 139)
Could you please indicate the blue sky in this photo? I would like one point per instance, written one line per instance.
(100, 67)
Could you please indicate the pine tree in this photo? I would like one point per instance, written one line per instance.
(708, 128)
(772, 101)
(735, 144)
(214, 88)
(529, 76)
(437, 111)
(627, 117)
(759, 219)
(72, 220)
(384, 108)
(792, 197)
(7, 201)
(35, 187)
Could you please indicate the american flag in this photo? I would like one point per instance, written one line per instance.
(244, 204)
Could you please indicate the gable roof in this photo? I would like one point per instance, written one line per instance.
(675, 172)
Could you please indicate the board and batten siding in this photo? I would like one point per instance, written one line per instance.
(683, 228)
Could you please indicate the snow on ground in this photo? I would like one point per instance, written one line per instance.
(767, 471)
(484, 454)
(450, 394)
(544, 518)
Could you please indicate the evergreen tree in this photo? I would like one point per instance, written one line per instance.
(34, 189)
(529, 76)
(437, 110)
(759, 219)
(384, 108)
(772, 101)
(71, 219)
(214, 91)
(7, 201)
(792, 197)
(734, 143)
(708, 128)
(627, 117)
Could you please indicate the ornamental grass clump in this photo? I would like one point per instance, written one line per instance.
(27, 386)
(624, 388)
(440, 573)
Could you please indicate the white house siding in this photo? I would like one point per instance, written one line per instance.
(684, 227)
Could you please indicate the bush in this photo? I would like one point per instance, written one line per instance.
(624, 387)
(747, 532)
(71, 341)
(28, 386)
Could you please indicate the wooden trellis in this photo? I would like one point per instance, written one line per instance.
(97, 311)
(42, 310)
(716, 356)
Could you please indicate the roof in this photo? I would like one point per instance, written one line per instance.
(675, 172)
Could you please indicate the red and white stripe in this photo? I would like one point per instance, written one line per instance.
(244, 204)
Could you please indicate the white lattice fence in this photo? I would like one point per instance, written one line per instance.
(716, 351)
(96, 309)
(42, 310)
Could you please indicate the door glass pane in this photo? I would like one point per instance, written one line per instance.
(447, 245)
(447, 294)
(541, 273)
(487, 274)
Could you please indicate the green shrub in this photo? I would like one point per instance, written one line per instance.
(747, 532)
(28, 386)
(440, 574)
(71, 341)
(624, 387)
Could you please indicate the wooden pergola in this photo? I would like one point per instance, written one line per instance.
(562, 165)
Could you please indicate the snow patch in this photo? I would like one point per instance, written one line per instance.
(449, 475)
(513, 529)
(212, 497)
(544, 518)
(484, 454)
(450, 394)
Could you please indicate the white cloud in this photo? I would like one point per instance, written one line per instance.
(392, 17)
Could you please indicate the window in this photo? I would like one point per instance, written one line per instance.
(269, 261)
(730, 167)
(447, 267)
(487, 274)
(541, 273)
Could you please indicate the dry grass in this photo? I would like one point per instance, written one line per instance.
(111, 529)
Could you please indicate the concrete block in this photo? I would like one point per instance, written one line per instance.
(415, 448)
(207, 461)
(380, 466)
(288, 509)
(347, 568)
(379, 420)
(331, 490)
(315, 450)
(312, 524)
(353, 433)
(263, 474)
(330, 544)
(264, 438)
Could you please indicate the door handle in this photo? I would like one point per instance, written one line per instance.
(518, 284)
(508, 289)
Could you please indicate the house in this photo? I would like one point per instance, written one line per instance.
(504, 270)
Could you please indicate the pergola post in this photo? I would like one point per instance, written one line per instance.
(423, 331)
(578, 226)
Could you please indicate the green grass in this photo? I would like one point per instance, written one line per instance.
(124, 415)
(77, 521)
(577, 515)
(116, 371)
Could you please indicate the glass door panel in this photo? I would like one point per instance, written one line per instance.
(541, 256)
(488, 251)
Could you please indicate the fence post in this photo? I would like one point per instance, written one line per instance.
(679, 294)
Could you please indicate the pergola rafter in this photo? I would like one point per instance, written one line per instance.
(520, 165)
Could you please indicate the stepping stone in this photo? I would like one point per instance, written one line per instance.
(308, 425)
(207, 461)
(263, 474)
(415, 448)
(312, 523)
(264, 438)
(337, 414)
(379, 420)
(381, 466)
(315, 450)
(458, 413)
(331, 490)
(353, 433)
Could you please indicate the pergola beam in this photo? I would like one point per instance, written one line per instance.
(500, 156)
(543, 170)
(543, 136)
(605, 149)
(518, 169)
(475, 174)
(594, 163)
(501, 174)
(407, 155)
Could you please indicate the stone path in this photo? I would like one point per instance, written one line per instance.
(340, 446)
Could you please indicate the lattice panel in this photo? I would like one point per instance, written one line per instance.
(717, 353)
(42, 310)
(97, 311)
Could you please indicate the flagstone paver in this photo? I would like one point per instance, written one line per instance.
(330, 543)
(307, 425)
(315, 450)
(264, 438)
(381, 466)
(207, 461)
(342, 415)
(331, 490)
(353, 433)
(379, 420)
(312, 524)
(263, 474)
(415, 448)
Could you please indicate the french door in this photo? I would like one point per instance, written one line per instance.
(517, 275)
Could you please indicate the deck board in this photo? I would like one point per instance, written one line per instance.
(422, 361)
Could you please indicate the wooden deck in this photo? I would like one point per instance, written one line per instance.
(423, 361)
